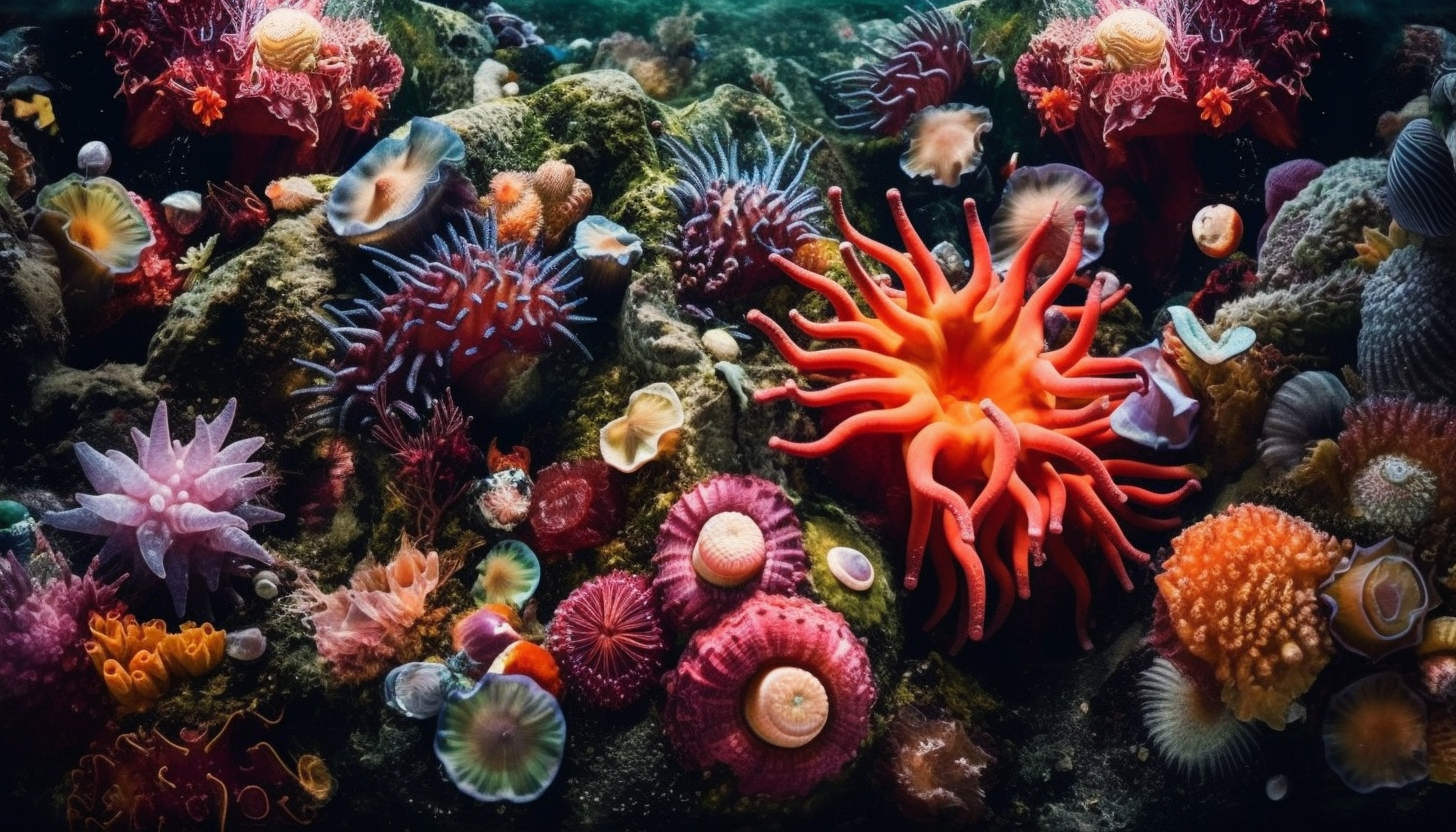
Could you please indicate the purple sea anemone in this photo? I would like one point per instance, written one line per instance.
(472, 315)
(726, 539)
(920, 66)
(607, 639)
(732, 217)
(779, 691)
(179, 512)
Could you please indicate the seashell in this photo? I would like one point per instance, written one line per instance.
(945, 142)
(245, 645)
(851, 568)
(608, 251)
(417, 689)
(1194, 335)
(93, 159)
(1375, 733)
(1440, 636)
(720, 344)
(1305, 409)
(1379, 599)
(1395, 492)
(786, 707)
(530, 659)
(1131, 39)
(288, 40)
(643, 433)
(730, 550)
(1421, 181)
(483, 635)
(183, 211)
(1031, 193)
(509, 574)
(266, 584)
(1218, 230)
(392, 192)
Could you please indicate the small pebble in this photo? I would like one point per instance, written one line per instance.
(94, 159)
(266, 584)
(246, 645)
(721, 345)
(851, 568)
(1277, 787)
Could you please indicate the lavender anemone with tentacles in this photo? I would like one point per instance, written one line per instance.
(179, 512)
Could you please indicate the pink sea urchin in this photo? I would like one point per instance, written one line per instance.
(728, 676)
(704, 566)
(608, 641)
(470, 316)
(179, 512)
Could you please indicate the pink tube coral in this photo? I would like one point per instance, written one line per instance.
(720, 696)
(295, 86)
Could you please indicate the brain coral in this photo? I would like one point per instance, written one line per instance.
(1316, 230)
(1242, 594)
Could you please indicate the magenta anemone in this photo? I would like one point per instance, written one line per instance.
(724, 707)
(690, 579)
(471, 315)
(177, 512)
(920, 66)
(732, 217)
(607, 639)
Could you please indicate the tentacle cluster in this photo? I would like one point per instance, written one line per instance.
(458, 318)
(1000, 433)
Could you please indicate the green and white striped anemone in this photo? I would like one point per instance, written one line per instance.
(97, 232)
(502, 739)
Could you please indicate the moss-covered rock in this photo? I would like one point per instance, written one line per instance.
(441, 49)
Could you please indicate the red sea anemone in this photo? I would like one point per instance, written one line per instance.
(607, 638)
(471, 316)
(724, 540)
(1000, 435)
(177, 512)
(575, 505)
(779, 691)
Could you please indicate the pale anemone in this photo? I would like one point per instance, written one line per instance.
(945, 142)
(97, 232)
(608, 251)
(501, 740)
(654, 415)
(1032, 194)
(1192, 731)
(391, 194)
(509, 574)
(1375, 733)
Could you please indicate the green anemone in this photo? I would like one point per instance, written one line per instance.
(509, 574)
(502, 739)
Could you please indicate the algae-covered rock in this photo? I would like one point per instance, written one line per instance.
(874, 613)
(441, 49)
(1317, 230)
(1305, 317)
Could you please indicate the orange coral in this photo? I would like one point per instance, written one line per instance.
(139, 662)
(1234, 394)
(207, 105)
(1058, 109)
(531, 660)
(544, 204)
(361, 108)
(1216, 105)
(1242, 590)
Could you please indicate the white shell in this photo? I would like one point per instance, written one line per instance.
(787, 707)
(851, 568)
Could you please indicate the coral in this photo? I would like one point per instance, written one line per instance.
(224, 779)
(577, 505)
(1408, 323)
(361, 628)
(732, 218)
(397, 191)
(434, 464)
(662, 66)
(1225, 282)
(1191, 730)
(721, 666)
(541, 206)
(1421, 181)
(50, 697)
(178, 512)
(1217, 230)
(509, 574)
(237, 213)
(945, 142)
(280, 92)
(501, 740)
(1313, 231)
(140, 662)
(1305, 409)
(471, 316)
(1241, 593)
(1033, 193)
(935, 771)
(646, 431)
(1001, 451)
(1378, 599)
(1306, 317)
(1377, 246)
(921, 65)
(1234, 395)
(608, 639)
(1375, 733)
(1398, 461)
(503, 499)
(691, 592)
(97, 233)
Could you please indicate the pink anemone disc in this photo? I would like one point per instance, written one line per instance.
(1000, 435)
(759, 666)
(727, 538)
(607, 638)
(945, 142)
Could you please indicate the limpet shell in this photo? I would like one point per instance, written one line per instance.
(851, 568)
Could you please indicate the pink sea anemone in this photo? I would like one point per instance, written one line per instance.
(774, 666)
(177, 512)
(704, 564)
(607, 638)
(945, 142)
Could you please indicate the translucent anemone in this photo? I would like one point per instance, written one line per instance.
(392, 192)
(97, 233)
(945, 142)
(509, 573)
(1031, 194)
(502, 739)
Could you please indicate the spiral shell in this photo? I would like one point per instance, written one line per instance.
(1131, 39)
(1421, 181)
(730, 550)
(1379, 599)
(1305, 409)
(288, 40)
